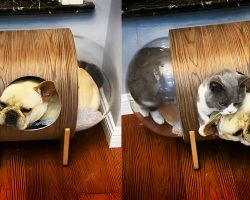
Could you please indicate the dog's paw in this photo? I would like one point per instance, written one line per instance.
(144, 111)
(229, 137)
(157, 117)
(201, 130)
(244, 141)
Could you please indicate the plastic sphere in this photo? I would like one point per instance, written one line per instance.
(151, 84)
(89, 56)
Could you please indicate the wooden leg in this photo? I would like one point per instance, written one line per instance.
(66, 146)
(194, 149)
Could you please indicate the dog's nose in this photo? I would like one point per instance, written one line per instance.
(11, 118)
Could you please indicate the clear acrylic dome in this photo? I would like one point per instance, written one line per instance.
(151, 84)
(90, 57)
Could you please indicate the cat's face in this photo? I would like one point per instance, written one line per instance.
(227, 92)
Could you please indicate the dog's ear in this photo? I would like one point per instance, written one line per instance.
(246, 82)
(211, 127)
(47, 89)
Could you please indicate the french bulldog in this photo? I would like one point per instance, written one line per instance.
(26, 101)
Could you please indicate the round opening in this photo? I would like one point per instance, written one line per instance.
(29, 103)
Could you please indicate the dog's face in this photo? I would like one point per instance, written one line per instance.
(24, 102)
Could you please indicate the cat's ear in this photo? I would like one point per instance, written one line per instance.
(216, 86)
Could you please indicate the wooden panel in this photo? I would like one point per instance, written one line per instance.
(240, 169)
(151, 164)
(157, 167)
(48, 54)
(200, 51)
(32, 169)
(114, 196)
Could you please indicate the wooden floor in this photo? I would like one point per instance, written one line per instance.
(158, 168)
(154, 167)
(33, 170)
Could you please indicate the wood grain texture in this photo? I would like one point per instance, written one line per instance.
(200, 51)
(194, 149)
(157, 167)
(114, 196)
(66, 141)
(163, 129)
(48, 54)
(30, 170)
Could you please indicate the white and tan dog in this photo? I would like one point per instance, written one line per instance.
(27, 100)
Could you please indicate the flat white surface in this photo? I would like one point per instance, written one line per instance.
(70, 2)
(126, 104)
(112, 56)
(112, 132)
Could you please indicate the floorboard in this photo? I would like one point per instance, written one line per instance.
(113, 196)
(33, 170)
(157, 167)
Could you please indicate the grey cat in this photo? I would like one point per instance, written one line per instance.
(148, 81)
(222, 92)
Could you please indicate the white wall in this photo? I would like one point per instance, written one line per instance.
(93, 25)
(113, 57)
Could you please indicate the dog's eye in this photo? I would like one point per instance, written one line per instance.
(26, 110)
(2, 105)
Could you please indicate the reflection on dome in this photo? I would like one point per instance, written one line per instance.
(151, 84)
(89, 56)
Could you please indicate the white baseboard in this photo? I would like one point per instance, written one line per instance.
(112, 132)
(126, 100)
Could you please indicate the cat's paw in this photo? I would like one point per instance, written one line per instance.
(157, 117)
(144, 111)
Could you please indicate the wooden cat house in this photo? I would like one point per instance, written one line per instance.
(50, 55)
(198, 52)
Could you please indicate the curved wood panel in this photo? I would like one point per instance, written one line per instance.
(200, 51)
(48, 54)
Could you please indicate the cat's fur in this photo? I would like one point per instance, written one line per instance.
(222, 92)
(146, 80)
